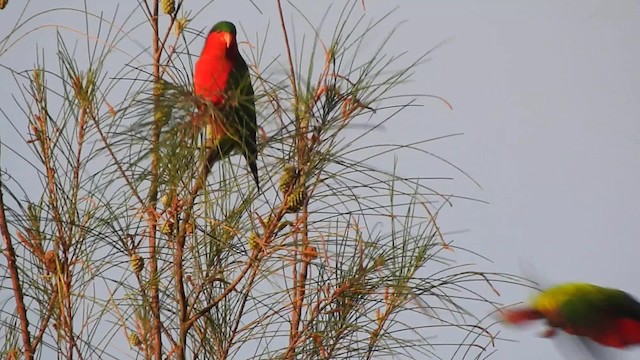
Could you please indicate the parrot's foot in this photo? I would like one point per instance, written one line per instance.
(548, 333)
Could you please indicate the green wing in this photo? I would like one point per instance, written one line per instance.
(245, 114)
(596, 307)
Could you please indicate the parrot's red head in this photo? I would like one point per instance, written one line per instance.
(221, 33)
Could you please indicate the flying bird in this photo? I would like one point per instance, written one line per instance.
(607, 316)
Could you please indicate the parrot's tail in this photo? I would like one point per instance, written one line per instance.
(254, 171)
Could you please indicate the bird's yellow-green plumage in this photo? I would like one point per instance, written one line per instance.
(553, 298)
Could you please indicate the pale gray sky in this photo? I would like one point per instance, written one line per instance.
(546, 93)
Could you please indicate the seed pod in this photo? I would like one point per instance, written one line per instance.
(294, 201)
(134, 340)
(168, 6)
(161, 110)
(288, 177)
(137, 263)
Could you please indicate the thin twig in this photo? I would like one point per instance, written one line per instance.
(10, 254)
(153, 191)
(292, 73)
(179, 279)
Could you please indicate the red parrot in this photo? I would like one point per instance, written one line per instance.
(607, 316)
(222, 79)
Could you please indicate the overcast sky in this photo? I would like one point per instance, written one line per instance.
(546, 94)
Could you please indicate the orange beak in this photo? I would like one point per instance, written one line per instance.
(228, 38)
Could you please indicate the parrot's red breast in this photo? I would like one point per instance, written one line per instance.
(214, 67)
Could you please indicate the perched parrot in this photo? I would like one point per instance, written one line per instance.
(607, 316)
(222, 79)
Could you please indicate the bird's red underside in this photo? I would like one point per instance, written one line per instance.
(618, 333)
